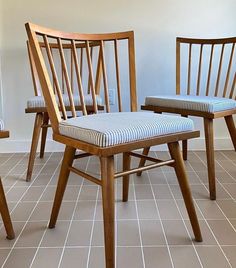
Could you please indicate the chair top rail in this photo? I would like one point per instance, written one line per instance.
(206, 41)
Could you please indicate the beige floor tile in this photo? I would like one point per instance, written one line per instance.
(143, 192)
(129, 257)
(84, 210)
(230, 254)
(33, 193)
(3, 254)
(212, 257)
(128, 233)
(73, 257)
(168, 209)
(47, 257)
(157, 257)
(98, 234)
(126, 210)
(162, 192)
(184, 256)
(210, 209)
(147, 209)
(97, 257)
(228, 207)
(22, 211)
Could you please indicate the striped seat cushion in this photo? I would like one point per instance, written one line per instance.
(38, 101)
(195, 103)
(1, 125)
(108, 129)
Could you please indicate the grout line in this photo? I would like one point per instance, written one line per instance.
(25, 222)
(73, 213)
(162, 226)
(198, 257)
(92, 230)
(139, 228)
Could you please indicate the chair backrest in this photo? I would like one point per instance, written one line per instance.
(206, 67)
(69, 55)
(113, 46)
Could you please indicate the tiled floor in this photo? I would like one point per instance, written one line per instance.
(152, 229)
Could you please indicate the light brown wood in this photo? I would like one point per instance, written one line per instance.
(208, 127)
(184, 186)
(126, 166)
(108, 201)
(34, 144)
(5, 214)
(62, 182)
(232, 130)
(4, 134)
(106, 154)
(143, 160)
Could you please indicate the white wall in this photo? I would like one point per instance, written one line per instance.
(156, 24)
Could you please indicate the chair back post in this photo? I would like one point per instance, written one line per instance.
(177, 66)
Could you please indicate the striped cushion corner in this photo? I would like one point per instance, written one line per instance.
(188, 102)
(38, 101)
(109, 129)
(1, 125)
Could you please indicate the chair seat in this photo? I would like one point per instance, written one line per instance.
(195, 103)
(1, 125)
(108, 129)
(38, 101)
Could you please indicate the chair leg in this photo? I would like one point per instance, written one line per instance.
(232, 129)
(208, 127)
(143, 160)
(126, 166)
(108, 199)
(44, 134)
(185, 189)
(34, 144)
(5, 214)
(62, 182)
(185, 145)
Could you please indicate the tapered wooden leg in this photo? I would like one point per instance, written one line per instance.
(208, 126)
(143, 160)
(108, 199)
(44, 134)
(34, 144)
(184, 186)
(126, 166)
(185, 146)
(62, 182)
(5, 214)
(232, 129)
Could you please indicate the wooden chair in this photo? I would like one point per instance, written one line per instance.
(205, 87)
(36, 104)
(106, 134)
(3, 203)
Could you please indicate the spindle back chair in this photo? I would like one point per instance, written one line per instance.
(3, 203)
(205, 87)
(36, 105)
(105, 134)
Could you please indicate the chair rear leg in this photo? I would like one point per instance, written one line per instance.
(232, 129)
(108, 199)
(5, 214)
(184, 186)
(62, 182)
(185, 145)
(34, 144)
(208, 127)
(44, 134)
(126, 166)
(143, 160)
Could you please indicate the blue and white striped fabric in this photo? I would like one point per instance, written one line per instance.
(1, 125)
(38, 101)
(108, 129)
(195, 103)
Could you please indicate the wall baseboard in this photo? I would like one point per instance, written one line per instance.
(19, 146)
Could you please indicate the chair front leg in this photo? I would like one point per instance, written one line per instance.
(5, 214)
(62, 182)
(232, 129)
(208, 127)
(108, 200)
(126, 166)
(143, 160)
(184, 186)
(44, 134)
(34, 144)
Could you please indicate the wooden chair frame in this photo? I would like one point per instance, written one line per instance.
(41, 123)
(3, 203)
(105, 154)
(228, 92)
